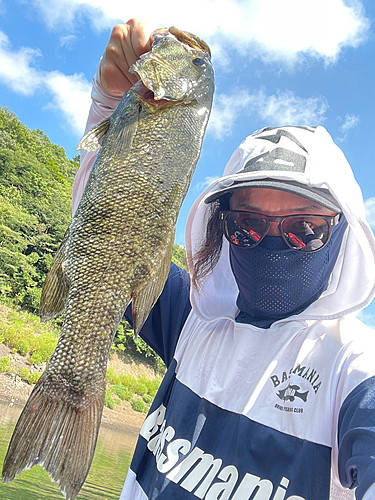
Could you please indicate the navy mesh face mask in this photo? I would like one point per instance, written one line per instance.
(276, 282)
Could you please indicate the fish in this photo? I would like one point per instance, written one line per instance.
(291, 392)
(116, 250)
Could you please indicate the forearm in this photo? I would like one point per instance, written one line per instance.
(357, 440)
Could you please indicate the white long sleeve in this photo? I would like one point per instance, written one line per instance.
(103, 105)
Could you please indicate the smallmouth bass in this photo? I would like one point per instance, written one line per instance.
(117, 248)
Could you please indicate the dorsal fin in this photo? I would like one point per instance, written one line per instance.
(92, 140)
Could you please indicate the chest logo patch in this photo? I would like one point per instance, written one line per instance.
(294, 387)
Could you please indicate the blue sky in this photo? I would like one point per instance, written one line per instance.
(276, 62)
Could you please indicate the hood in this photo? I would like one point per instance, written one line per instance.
(316, 162)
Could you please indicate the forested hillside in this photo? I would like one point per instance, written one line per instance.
(36, 181)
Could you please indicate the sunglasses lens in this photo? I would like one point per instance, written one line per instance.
(305, 234)
(244, 229)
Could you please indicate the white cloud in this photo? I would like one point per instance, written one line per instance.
(370, 211)
(61, 12)
(282, 108)
(70, 95)
(270, 29)
(350, 122)
(15, 67)
(207, 181)
(320, 28)
(67, 41)
(287, 108)
(226, 108)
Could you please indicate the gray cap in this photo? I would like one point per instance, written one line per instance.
(321, 196)
(278, 159)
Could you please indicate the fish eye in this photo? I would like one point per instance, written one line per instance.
(199, 62)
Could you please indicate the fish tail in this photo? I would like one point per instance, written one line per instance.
(57, 434)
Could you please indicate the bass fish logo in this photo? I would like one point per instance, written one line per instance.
(291, 392)
(293, 396)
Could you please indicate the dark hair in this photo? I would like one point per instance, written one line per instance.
(208, 254)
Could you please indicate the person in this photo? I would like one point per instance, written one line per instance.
(270, 387)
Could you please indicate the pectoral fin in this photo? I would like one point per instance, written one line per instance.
(143, 299)
(125, 129)
(56, 287)
(125, 136)
(92, 140)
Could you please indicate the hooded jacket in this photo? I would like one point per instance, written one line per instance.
(284, 413)
(325, 167)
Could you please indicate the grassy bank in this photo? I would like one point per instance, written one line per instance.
(23, 333)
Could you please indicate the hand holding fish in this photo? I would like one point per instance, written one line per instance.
(127, 42)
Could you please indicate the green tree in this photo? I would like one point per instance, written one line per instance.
(179, 256)
(36, 180)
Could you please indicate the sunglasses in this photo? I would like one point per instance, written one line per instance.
(303, 233)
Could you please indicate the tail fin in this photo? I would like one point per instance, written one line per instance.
(57, 434)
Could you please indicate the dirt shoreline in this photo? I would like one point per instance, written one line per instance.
(14, 391)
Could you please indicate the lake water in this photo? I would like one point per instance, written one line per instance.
(112, 458)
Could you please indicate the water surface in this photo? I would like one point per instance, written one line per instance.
(112, 458)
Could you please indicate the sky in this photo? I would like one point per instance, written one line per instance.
(276, 62)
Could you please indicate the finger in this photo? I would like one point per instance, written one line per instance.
(127, 42)
(140, 37)
(118, 57)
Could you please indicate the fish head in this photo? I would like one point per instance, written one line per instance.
(178, 67)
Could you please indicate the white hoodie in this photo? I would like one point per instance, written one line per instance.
(352, 285)
(284, 413)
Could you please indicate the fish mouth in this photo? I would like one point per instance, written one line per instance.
(141, 88)
(147, 95)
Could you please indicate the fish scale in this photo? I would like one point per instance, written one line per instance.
(117, 248)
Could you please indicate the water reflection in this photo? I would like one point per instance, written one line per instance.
(111, 461)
